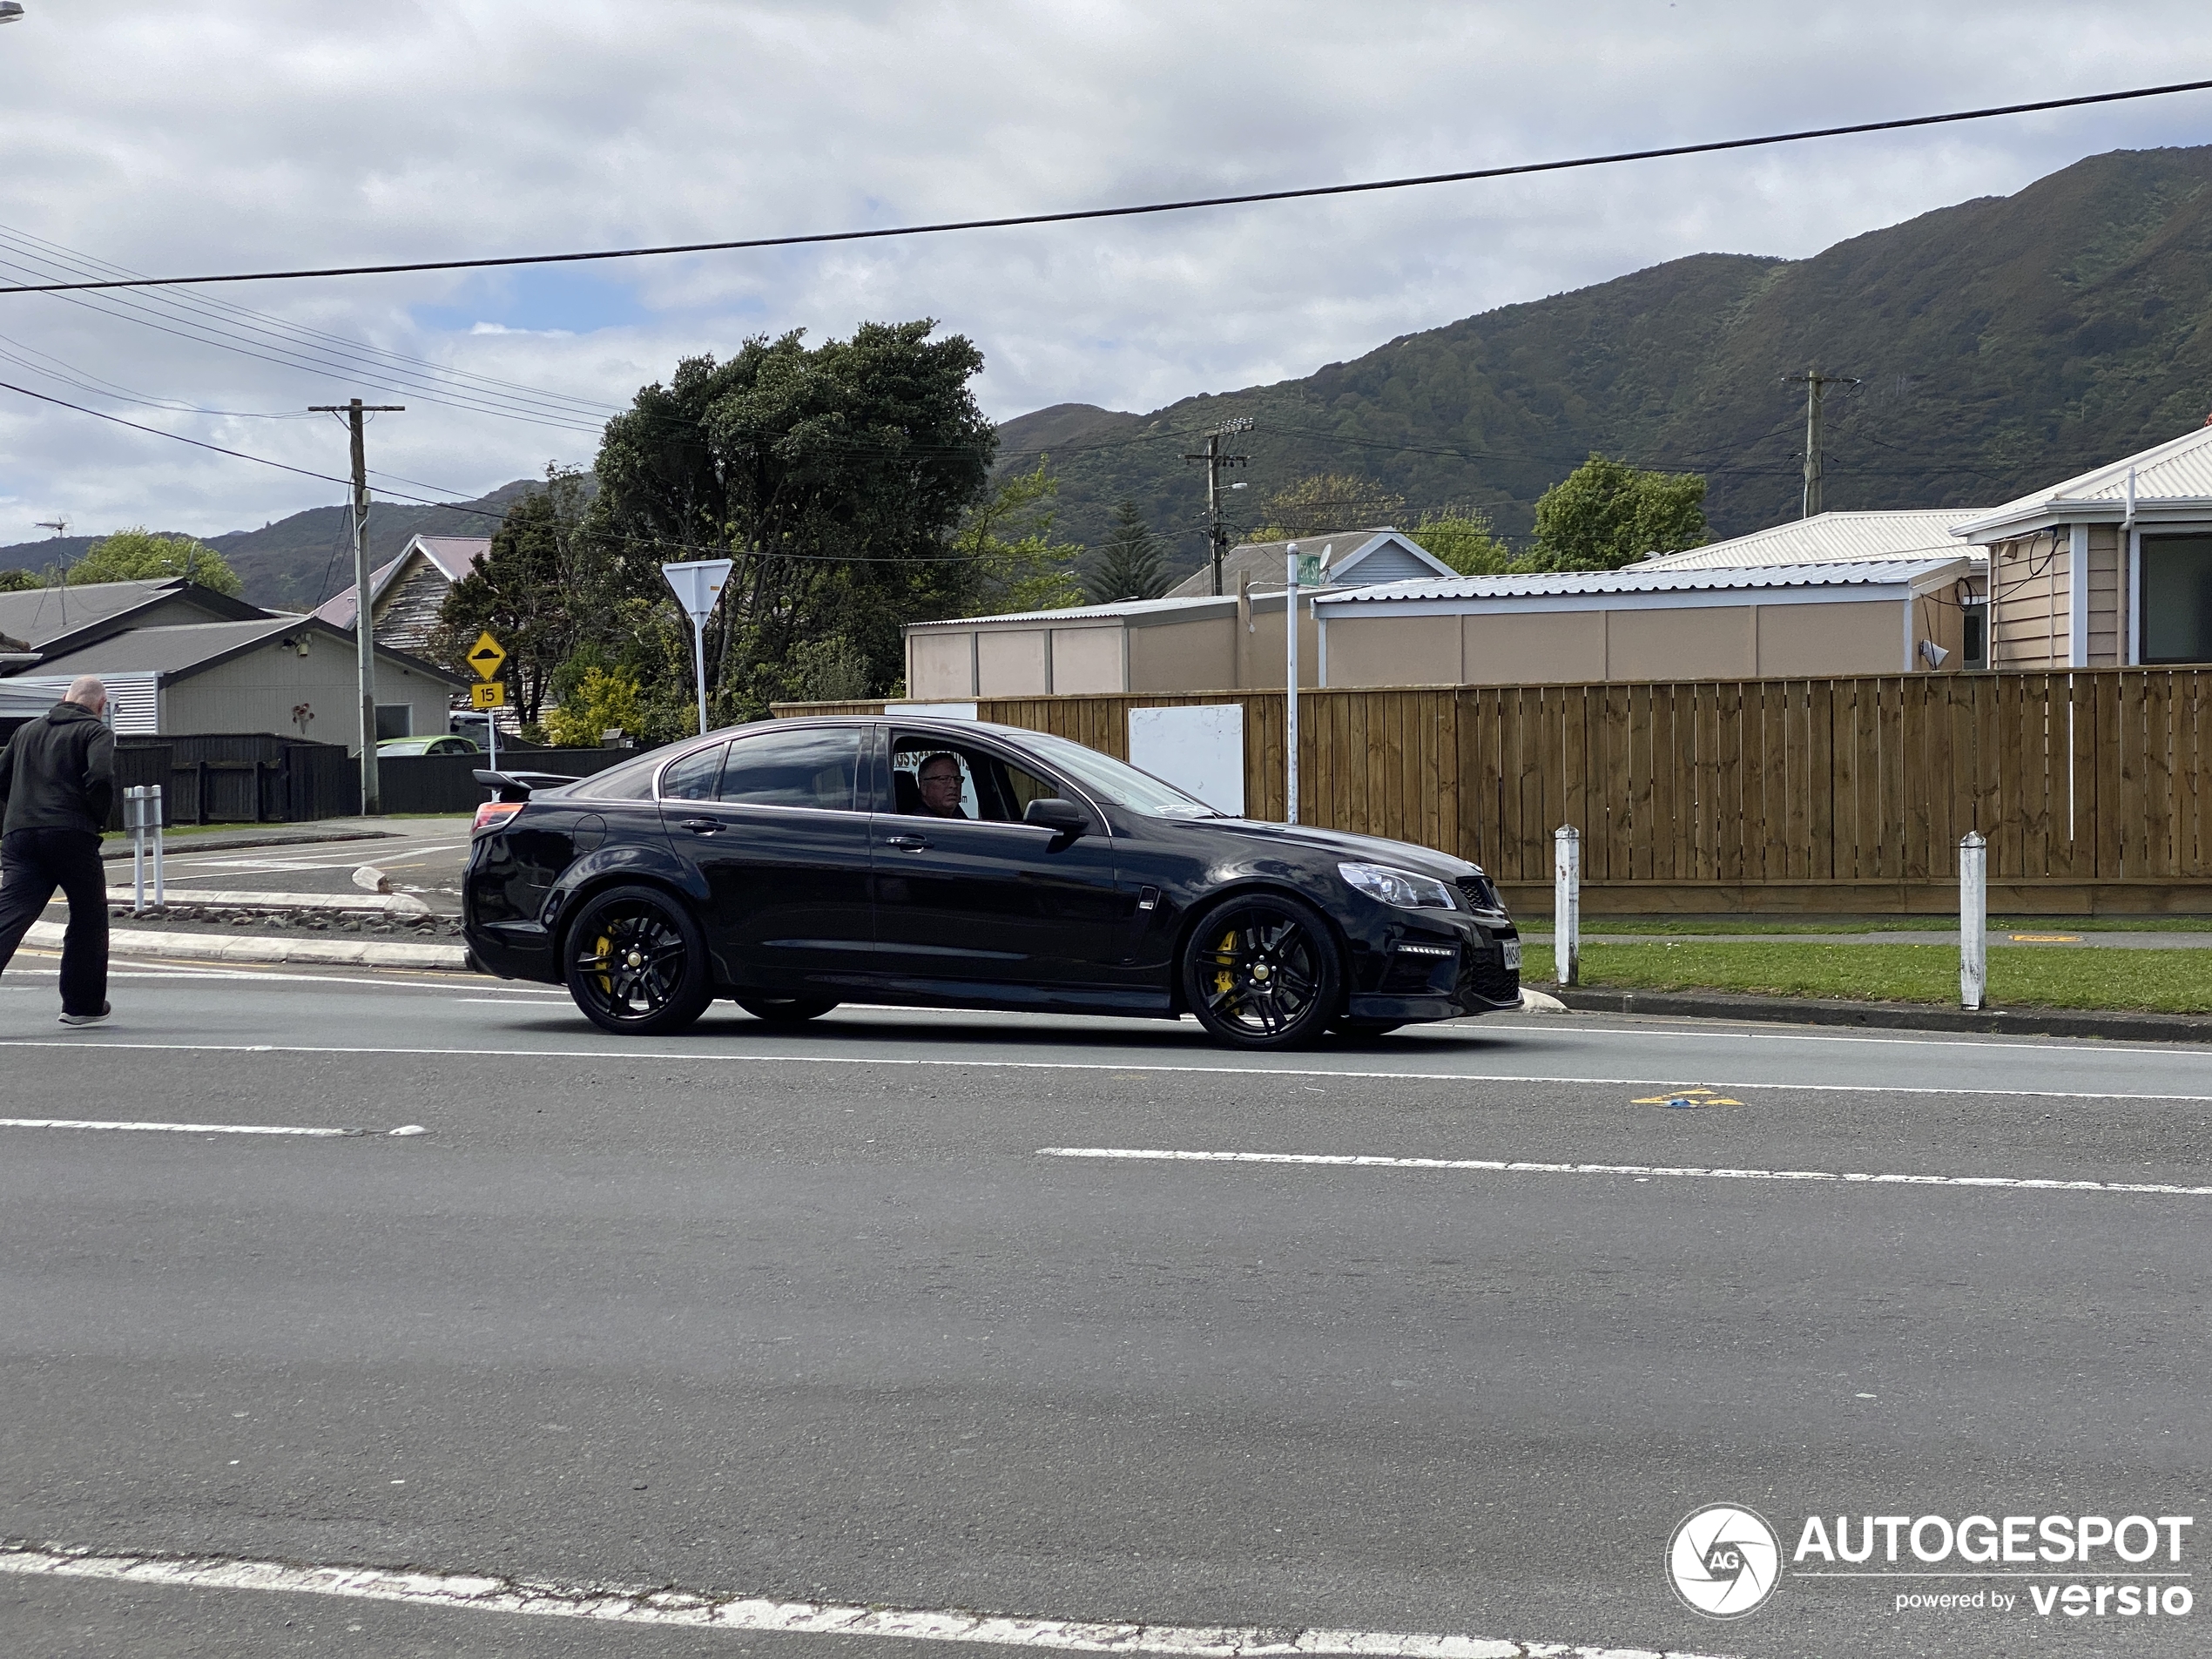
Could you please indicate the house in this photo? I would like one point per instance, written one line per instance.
(405, 595)
(279, 674)
(55, 621)
(1847, 617)
(1348, 558)
(1189, 641)
(2110, 568)
(1829, 538)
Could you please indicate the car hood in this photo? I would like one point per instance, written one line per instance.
(1371, 849)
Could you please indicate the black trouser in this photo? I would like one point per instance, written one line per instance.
(37, 861)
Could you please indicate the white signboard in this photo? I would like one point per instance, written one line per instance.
(1199, 749)
(698, 584)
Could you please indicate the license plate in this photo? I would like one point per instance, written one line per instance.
(1512, 948)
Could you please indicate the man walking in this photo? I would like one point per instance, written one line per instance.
(56, 782)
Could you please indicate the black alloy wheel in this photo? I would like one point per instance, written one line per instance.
(786, 1010)
(637, 963)
(1263, 973)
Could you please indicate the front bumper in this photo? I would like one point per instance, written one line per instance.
(1444, 970)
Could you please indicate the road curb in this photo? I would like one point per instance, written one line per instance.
(178, 846)
(348, 952)
(1894, 1016)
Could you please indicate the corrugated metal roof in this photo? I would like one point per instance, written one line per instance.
(164, 651)
(1642, 578)
(40, 614)
(133, 700)
(1827, 538)
(2178, 471)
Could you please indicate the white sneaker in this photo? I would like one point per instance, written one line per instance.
(100, 1018)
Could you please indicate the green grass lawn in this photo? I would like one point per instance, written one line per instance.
(2171, 981)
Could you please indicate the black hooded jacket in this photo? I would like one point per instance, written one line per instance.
(58, 772)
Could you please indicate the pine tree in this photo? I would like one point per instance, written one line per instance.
(1129, 566)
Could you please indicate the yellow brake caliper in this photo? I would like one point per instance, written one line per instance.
(606, 954)
(1225, 981)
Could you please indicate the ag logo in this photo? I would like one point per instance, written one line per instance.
(1724, 1561)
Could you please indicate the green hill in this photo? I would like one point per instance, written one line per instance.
(2000, 344)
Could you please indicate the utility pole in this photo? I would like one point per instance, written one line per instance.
(1216, 537)
(1817, 385)
(364, 625)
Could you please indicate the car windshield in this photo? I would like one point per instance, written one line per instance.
(1124, 785)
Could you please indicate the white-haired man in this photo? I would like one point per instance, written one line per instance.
(57, 782)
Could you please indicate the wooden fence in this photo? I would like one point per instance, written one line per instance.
(1839, 795)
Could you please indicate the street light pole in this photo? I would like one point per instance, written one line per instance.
(364, 625)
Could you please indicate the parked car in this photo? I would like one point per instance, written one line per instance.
(799, 863)
(392, 746)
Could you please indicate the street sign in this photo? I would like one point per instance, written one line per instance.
(1308, 569)
(485, 656)
(492, 694)
(698, 584)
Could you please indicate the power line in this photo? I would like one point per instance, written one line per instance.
(1076, 215)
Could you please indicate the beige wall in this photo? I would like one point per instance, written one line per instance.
(2107, 601)
(258, 692)
(1718, 643)
(2028, 623)
(1559, 647)
(1857, 637)
(1087, 659)
(938, 663)
(1410, 650)
(1184, 655)
(1259, 652)
(1011, 663)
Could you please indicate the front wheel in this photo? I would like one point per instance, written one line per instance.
(786, 1010)
(637, 963)
(1263, 973)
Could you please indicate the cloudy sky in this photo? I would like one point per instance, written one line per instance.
(167, 137)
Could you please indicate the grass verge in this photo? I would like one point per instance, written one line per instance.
(2166, 982)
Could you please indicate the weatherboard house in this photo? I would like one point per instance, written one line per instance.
(405, 595)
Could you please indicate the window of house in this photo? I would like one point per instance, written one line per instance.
(2177, 598)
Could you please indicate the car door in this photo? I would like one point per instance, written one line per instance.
(777, 825)
(984, 906)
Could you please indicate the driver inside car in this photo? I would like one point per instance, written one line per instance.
(939, 780)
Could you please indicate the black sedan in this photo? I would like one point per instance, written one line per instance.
(799, 863)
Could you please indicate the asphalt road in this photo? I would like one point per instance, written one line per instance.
(425, 857)
(814, 1316)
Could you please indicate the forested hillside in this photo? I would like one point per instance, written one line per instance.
(1999, 344)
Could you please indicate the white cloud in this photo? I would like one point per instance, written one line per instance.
(291, 135)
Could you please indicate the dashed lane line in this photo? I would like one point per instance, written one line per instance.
(102, 1041)
(199, 1129)
(1641, 1171)
(620, 1604)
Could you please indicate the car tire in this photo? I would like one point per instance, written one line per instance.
(1263, 972)
(785, 1010)
(635, 961)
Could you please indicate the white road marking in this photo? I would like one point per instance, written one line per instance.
(172, 1129)
(1707, 1033)
(626, 1605)
(758, 1056)
(1362, 1161)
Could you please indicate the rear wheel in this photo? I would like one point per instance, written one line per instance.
(786, 1010)
(637, 963)
(1263, 973)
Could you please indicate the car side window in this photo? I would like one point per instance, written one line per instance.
(693, 777)
(991, 789)
(808, 766)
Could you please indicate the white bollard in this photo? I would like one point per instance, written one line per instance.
(1567, 904)
(134, 820)
(153, 810)
(1973, 918)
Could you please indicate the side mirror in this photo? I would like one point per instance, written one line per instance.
(1061, 817)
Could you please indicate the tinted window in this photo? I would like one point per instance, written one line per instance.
(633, 780)
(811, 767)
(693, 777)
(2177, 598)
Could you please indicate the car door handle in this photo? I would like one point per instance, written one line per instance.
(907, 843)
(702, 825)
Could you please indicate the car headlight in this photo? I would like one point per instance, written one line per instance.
(1400, 888)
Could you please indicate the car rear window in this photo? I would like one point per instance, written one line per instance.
(633, 780)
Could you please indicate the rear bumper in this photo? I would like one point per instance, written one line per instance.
(514, 950)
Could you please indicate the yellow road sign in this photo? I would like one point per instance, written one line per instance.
(485, 656)
(492, 694)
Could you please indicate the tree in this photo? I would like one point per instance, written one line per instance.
(141, 555)
(535, 591)
(600, 702)
(20, 581)
(836, 477)
(1607, 514)
(1329, 501)
(1129, 566)
(1018, 566)
(1461, 536)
